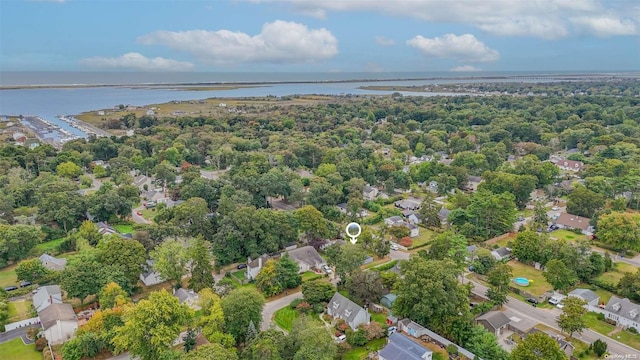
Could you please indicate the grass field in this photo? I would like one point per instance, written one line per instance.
(361, 352)
(538, 286)
(310, 276)
(17, 350)
(124, 229)
(239, 273)
(624, 267)
(379, 317)
(424, 238)
(19, 310)
(8, 276)
(611, 277)
(604, 328)
(566, 235)
(604, 295)
(47, 247)
(285, 317)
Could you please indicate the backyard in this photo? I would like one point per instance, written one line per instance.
(124, 228)
(8, 276)
(285, 317)
(567, 235)
(19, 310)
(361, 352)
(625, 337)
(614, 275)
(49, 247)
(538, 285)
(16, 349)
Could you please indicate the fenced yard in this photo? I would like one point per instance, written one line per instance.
(538, 285)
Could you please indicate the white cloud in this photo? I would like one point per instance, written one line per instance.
(464, 68)
(548, 19)
(137, 61)
(605, 26)
(462, 48)
(278, 42)
(383, 41)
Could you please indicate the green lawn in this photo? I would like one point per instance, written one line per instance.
(8, 276)
(604, 328)
(628, 338)
(379, 317)
(17, 350)
(285, 317)
(124, 229)
(538, 284)
(624, 267)
(239, 274)
(49, 247)
(19, 310)
(310, 276)
(361, 352)
(563, 234)
(612, 277)
(604, 295)
(424, 238)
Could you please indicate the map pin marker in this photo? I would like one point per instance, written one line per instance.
(353, 227)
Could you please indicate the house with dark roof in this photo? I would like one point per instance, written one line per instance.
(307, 258)
(472, 183)
(370, 193)
(570, 165)
(150, 277)
(353, 314)
(503, 253)
(59, 323)
(408, 204)
(494, 321)
(591, 298)
(443, 214)
(569, 221)
(416, 330)
(624, 312)
(254, 266)
(402, 347)
(566, 346)
(52, 263)
(46, 296)
(187, 297)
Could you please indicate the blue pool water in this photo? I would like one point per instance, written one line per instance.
(521, 281)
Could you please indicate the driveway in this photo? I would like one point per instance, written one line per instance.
(399, 255)
(137, 218)
(14, 334)
(271, 307)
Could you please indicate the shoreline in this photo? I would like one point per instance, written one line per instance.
(243, 84)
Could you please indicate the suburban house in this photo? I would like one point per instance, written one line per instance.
(494, 321)
(414, 218)
(416, 330)
(570, 165)
(502, 253)
(254, 266)
(106, 229)
(408, 204)
(307, 258)
(150, 277)
(472, 183)
(343, 209)
(414, 231)
(52, 263)
(623, 312)
(353, 314)
(370, 192)
(394, 221)
(59, 323)
(591, 298)
(46, 296)
(401, 347)
(443, 214)
(569, 221)
(188, 297)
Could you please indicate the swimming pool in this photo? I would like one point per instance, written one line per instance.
(521, 281)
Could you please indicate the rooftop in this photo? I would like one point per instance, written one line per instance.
(401, 347)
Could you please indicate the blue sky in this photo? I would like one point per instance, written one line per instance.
(320, 35)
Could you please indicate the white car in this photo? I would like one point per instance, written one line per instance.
(394, 247)
(342, 338)
(326, 269)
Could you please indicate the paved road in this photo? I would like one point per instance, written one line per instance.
(548, 317)
(272, 306)
(137, 218)
(14, 334)
(399, 255)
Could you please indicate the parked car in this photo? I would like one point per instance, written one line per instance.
(391, 330)
(394, 247)
(532, 300)
(554, 301)
(241, 266)
(342, 338)
(326, 269)
(10, 288)
(25, 283)
(520, 218)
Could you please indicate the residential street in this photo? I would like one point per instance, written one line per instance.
(399, 255)
(137, 218)
(271, 307)
(548, 317)
(14, 334)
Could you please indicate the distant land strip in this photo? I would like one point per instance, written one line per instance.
(236, 85)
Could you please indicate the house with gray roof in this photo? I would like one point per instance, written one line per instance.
(307, 258)
(402, 347)
(394, 221)
(188, 297)
(502, 253)
(254, 266)
(46, 296)
(52, 263)
(624, 312)
(591, 298)
(150, 277)
(408, 204)
(59, 323)
(416, 330)
(353, 314)
(494, 321)
(370, 193)
(443, 214)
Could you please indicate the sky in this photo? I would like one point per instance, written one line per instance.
(320, 35)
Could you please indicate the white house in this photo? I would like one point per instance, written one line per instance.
(624, 312)
(394, 221)
(254, 266)
(570, 221)
(52, 263)
(46, 296)
(343, 308)
(59, 323)
(402, 347)
(150, 277)
(370, 192)
(188, 297)
(307, 258)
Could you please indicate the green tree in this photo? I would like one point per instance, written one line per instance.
(99, 171)
(538, 346)
(312, 341)
(112, 295)
(429, 211)
(520, 186)
(31, 270)
(528, 246)
(127, 255)
(570, 321)
(267, 279)
(17, 240)
(287, 272)
(311, 222)
(345, 258)
(365, 286)
(201, 268)
(84, 275)
(241, 307)
(599, 347)
(189, 340)
(60, 201)
(316, 292)
(584, 202)
(89, 231)
(499, 278)
(540, 217)
(620, 230)
(210, 352)
(212, 320)
(485, 345)
(151, 326)
(69, 170)
(559, 275)
(269, 345)
(170, 260)
(491, 214)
